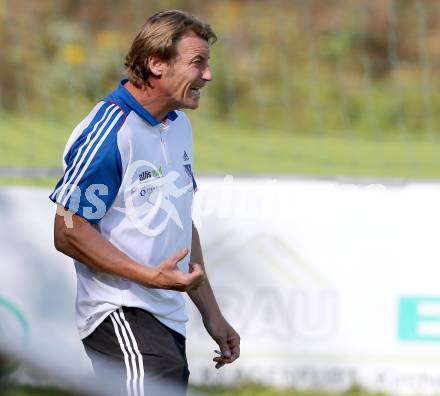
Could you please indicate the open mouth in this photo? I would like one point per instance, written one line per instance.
(195, 90)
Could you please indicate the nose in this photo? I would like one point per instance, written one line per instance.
(207, 74)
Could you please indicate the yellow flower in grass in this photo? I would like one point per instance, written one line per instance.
(74, 54)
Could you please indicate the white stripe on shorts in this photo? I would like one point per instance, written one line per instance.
(133, 356)
(121, 344)
(136, 349)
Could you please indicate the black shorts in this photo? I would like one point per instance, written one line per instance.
(132, 353)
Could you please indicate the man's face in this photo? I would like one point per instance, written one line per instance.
(184, 77)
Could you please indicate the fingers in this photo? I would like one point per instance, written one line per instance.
(179, 255)
(182, 281)
(234, 344)
(230, 351)
(235, 352)
(196, 276)
(192, 266)
(195, 268)
(221, 361)
(225, 357)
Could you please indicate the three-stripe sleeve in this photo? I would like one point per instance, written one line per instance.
(93, 172)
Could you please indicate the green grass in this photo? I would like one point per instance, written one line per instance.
(244, 390)
(32, 141)
(260, 390)
(23, 390)
(28, 181)
(225, 148)
(221, 147)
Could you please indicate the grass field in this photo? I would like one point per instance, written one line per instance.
(245, 390)
(225, 148)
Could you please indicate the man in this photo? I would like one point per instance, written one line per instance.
(124, 214)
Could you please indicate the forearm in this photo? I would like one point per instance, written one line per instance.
(216, 325)
(203, 297)
(85, 244)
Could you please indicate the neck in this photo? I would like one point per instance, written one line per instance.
(150, 100)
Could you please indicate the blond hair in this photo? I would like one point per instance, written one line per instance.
(159, 36)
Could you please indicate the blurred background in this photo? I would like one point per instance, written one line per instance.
(302, 88)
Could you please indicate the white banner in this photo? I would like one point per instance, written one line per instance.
(328, 284)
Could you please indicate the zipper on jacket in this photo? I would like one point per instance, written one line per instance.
(163, 144)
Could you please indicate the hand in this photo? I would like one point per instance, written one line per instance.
(227, 339)
(168, 275)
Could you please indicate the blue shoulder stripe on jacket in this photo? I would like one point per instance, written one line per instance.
(93, 152)
(83, 144)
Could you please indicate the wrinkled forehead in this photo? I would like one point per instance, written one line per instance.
(191, 45)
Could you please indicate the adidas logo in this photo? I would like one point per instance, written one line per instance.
(185, 156)
(188, 170)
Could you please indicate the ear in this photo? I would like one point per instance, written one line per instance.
(156, 65)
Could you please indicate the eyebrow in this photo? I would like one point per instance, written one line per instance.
(200, 57)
